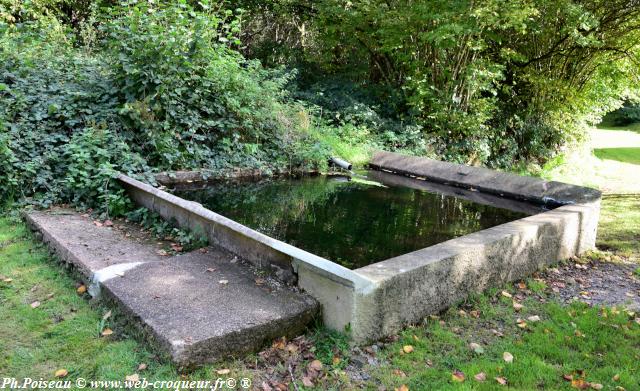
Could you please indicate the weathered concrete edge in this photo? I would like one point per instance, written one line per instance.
(489, 181)
(55, 246)
(427, 281)
(173, 178)
(192, 355)
(260, 249)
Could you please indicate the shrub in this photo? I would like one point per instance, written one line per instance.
(190, 99)
(164, 91)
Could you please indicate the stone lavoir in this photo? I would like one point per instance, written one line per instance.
(368, 254)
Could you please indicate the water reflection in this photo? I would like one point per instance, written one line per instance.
(353, 223)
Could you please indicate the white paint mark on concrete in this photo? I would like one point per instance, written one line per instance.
(108, 273)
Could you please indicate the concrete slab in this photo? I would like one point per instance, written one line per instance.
(200, 316)
(195, 308)
(75, 239)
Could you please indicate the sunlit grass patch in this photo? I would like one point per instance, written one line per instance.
(593, 345)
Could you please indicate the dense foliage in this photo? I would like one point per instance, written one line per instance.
(159, 88)
(628, 114)
(493, 82)
(90, 88)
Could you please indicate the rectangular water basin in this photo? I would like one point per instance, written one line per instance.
(434, 234)
(359, 219)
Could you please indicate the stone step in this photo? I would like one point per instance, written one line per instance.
(196, 308)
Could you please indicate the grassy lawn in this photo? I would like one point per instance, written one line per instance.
(552, 346)
(595, 345)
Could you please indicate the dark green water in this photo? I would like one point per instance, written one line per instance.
(349, 222)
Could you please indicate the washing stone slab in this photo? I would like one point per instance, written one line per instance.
(194, 308)
(75, 239)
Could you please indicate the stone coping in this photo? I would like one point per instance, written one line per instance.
(485, 180)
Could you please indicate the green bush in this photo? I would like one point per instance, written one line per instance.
(162, 90)
(190, 99)
(628, 114)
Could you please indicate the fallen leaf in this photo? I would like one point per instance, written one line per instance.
(7, 280)
(210, 270)
(291, 348)
(106, 332)
(517, 306)
(97, 224)
(506, 294)
(399, 373)
(501, 380)
(522, 285)
(597, 386)
(457, 376)
(162, 253)
(474, 314)
(336, 360)
(259, 281)
(616, 377)
(35, 304)
(407, 349)
(521, 323)
(223, 282)
(142, 367)
(107, 315)
(266, 386)
(61, 373)
(50, 296)
(508, 357)
(534, 318)
(108, 223)
(429, 363)
(567, 377)
(402, 388)
(279, 343)
(580, 384)
(133, 378)
(224, 371)
(316, 365)
(476, 348)
(81, 289)
(480, 377)
(462, 313)
(306, 381)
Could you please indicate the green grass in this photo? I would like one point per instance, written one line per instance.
(624, 155)
(619, 225)
(593, 344)
(62, 333)
(566, 340)
(609, 162)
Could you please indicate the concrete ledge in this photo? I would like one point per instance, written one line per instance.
(187, 178)
(177, 303)
(512, 186)
(262, 250)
